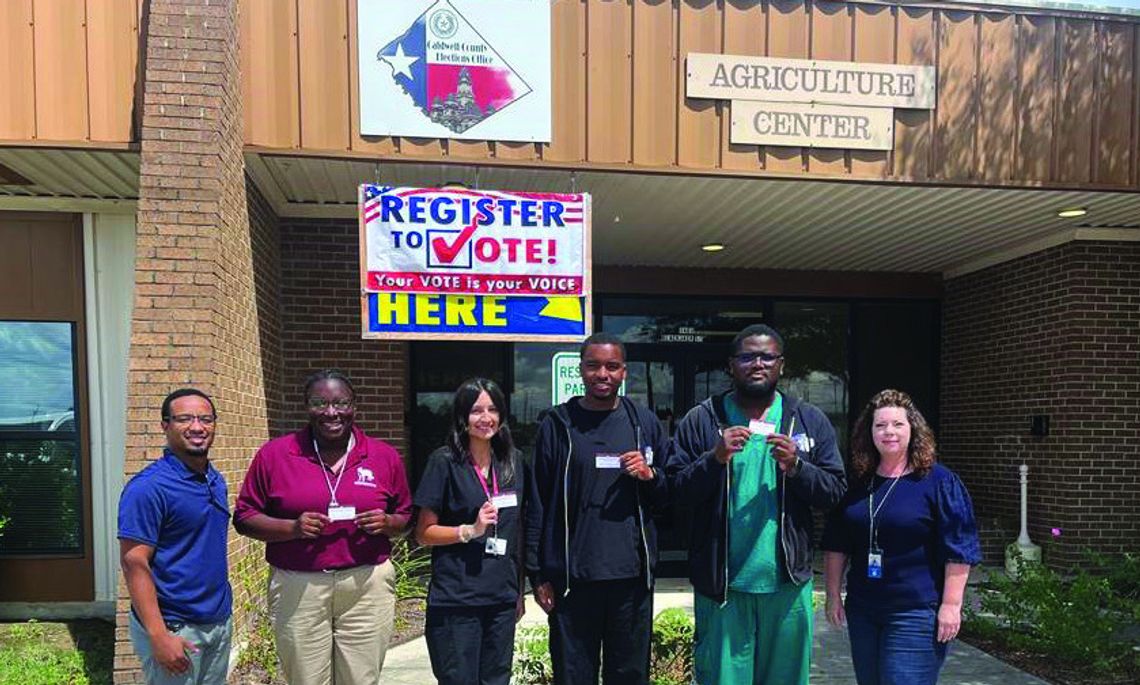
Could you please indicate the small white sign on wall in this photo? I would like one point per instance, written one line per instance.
(460, 69)
(830, 126)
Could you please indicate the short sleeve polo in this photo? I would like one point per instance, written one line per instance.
(184, 516)
(287, 479)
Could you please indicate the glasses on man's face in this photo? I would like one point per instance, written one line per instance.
(187, 419)
(750, 358)
(321, 404)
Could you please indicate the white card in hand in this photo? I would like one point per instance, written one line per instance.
(607, 461)
(761, 428)
(342, 513)
(505, 499)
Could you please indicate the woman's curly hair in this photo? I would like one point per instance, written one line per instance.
(920, 453)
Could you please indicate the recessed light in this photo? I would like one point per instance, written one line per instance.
(712, 247)
(1072, 212)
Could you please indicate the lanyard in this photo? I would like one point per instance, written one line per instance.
(483, 481)
(872, 511)
(494, 488)
(343, 468)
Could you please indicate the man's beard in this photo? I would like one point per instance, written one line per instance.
(756, 390)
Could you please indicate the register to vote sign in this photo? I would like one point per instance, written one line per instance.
(483, 264)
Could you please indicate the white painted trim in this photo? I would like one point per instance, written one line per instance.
(1120, 235)
(67, 204)
(1059, 238)
(109, 254)
(104, 573)
(1009, 254)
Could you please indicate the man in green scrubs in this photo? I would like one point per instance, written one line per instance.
(752, 463)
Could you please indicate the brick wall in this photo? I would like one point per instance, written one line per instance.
(320, 327)
(1056, 333)
(201, 280)
(265, 236)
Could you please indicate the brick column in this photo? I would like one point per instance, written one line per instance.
(1056, 333)
(198, 313)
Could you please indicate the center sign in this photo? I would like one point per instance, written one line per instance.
(810, 103)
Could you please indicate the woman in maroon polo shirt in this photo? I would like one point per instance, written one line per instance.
(327, 500)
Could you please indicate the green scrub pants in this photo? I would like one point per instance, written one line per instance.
(763, 639)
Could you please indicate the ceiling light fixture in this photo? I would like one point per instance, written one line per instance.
(712, 247)
(1072, 212)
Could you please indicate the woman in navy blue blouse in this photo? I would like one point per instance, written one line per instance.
(907, 528)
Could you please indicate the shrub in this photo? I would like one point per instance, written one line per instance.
(532, 657)
(251, 576)
(413, 568)
(671, 648)
(1077, 619)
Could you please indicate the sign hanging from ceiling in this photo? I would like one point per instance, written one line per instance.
(461, 69)
(459, 263)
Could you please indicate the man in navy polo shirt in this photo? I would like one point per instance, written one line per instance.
(173, 519)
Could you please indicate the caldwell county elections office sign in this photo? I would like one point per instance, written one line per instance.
(459, 263)
(810, 103)
(462, 69)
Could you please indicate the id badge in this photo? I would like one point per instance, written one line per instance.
(607, 460)
(505, 499)
(496, 547)
(761, 428)
(342, 513)
(648, 452)
(874, 565)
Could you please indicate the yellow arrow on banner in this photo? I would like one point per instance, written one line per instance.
(569, 308)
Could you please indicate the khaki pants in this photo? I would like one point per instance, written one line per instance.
(332, 627)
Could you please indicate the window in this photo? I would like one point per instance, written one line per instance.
(41, 487)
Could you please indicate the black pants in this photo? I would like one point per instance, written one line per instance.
(469, 645)
(610, 619)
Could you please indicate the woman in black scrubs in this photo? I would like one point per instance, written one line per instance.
(469, 503)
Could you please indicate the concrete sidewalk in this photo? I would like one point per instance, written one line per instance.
(831, 655)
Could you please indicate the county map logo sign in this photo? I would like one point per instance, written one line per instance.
(454, 69)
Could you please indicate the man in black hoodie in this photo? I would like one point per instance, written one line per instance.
(590, 539)
(751, 463)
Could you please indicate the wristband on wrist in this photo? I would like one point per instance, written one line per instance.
(465, 533)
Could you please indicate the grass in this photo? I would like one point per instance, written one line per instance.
(76, 653)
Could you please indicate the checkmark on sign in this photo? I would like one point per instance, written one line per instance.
(445, 253)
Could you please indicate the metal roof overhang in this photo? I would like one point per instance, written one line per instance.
(660, 219)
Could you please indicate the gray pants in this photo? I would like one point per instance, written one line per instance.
(208, 666)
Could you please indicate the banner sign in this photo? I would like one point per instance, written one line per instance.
(737, 77)
(806, 125)
(461, 69)
(487, 317)
(422, 240)
(471, 264)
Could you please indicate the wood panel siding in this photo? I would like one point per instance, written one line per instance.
(874, 29)
(1024, 96)
(68, 70)
(656, 83)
